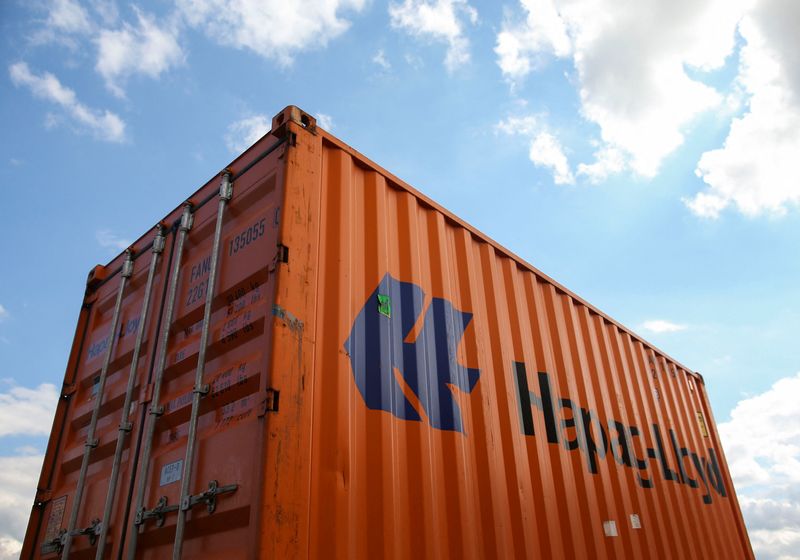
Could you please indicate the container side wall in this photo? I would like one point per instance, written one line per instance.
(463, 405)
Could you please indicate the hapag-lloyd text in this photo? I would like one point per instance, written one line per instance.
(563, 418)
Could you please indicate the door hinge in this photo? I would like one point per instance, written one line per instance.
(270, 402)
(67, 390)
(42, 497)
(283, 253)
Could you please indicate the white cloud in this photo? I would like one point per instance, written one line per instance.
(19, 475)
(518, 45)
(245, 132)
(631, 61)
(756, 169)
(781, 544)
(274, 29)
(146, 48)
(637, 66)
(706, 205)
(381, 60)
(109, 240)
(437, 20)
(659, 326)
(65, 20)
(546, 151)
(762, 445)
(325, 121)
(107, 10)
(9, 548)
(523, 126)
(25, 411)
(68, 16)
(608, 161)
(4, 314)
(763, 436)
(105, 125)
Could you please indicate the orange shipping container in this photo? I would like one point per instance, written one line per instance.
(313, 360)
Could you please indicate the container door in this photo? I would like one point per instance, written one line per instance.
(108, 367)
(225, 468)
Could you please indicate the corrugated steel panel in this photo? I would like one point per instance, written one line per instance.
(410, 389)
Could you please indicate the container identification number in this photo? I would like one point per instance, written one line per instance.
(246, 237)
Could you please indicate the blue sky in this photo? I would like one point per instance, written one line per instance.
(642, 155)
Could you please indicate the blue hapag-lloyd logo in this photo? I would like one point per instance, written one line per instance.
(428, 366)
(377, 347)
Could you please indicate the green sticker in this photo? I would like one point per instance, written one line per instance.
(384, 305)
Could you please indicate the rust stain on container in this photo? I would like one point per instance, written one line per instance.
(380, 380)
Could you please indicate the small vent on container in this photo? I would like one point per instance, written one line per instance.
(610, 528)
(635, 521)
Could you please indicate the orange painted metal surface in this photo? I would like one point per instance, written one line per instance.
(383, 381)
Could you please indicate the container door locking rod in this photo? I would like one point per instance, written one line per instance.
(200, 390)
(156, 411)
(91, 442)
(125, 425)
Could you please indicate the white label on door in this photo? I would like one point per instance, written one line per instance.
(171, 472)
